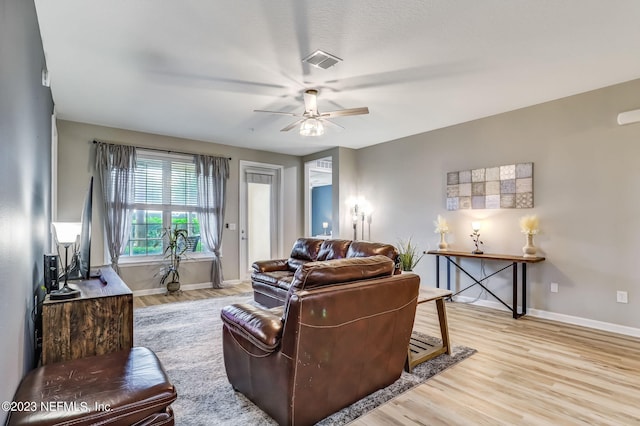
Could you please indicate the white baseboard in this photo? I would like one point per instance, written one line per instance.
(585, 322)
(553, 316)
(183, 287)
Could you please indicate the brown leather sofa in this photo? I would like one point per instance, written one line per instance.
(271, 279)
(342, 334)
(128, 387)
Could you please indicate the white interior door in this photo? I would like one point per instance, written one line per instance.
(260, 213)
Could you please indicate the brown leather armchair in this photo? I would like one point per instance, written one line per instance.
(342, 334)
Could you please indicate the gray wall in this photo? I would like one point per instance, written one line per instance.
(586, 183)
(344, 173)
(25, 170)
(76, 155)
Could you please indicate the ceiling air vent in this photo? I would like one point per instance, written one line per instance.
(322, 59)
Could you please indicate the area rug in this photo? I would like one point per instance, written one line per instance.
(187, 337)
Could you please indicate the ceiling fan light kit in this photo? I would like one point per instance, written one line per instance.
(311, 127)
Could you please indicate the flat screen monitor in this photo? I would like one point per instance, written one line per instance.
(79, 269)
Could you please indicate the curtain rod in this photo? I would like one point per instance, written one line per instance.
(169, 151)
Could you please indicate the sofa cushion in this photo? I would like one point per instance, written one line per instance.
(304, 250)
(280, 279)
(365, 248)
(270, 265)
(328, 272)
(333, 249)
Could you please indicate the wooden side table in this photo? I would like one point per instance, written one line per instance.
(98, 322)
(419, 350)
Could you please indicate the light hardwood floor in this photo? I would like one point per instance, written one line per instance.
(526, 372)
(158, 299)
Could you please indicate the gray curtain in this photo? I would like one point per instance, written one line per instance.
(116, 167)
(212, 174)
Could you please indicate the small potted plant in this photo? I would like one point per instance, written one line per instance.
(176, 247)
(409, 255)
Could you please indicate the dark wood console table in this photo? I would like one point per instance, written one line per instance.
(513, 263)
(98, 322)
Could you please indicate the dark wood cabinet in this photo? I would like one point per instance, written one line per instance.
(100, 321)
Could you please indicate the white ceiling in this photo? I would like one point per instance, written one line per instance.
(198, 68)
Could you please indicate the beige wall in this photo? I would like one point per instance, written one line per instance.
(75, 166)
(586, 182)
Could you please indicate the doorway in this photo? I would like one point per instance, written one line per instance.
(260, 213)
(319, 198)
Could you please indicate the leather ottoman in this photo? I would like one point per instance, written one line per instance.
(129, 387)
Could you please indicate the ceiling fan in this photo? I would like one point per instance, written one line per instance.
(311, 121)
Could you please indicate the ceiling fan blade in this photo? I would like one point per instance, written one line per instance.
(292, 125)
(345, 112)
(292, 114)
(311, 101)
(324, 120)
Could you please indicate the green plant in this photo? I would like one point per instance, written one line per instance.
(176, 239)
(409, 255)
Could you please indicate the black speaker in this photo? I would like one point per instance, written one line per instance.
(51, 272)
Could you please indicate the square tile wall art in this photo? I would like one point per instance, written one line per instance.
(500, 187)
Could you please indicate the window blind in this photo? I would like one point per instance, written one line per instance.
(165, 182)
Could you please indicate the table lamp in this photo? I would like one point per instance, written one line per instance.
(475, 237)
(65, 233)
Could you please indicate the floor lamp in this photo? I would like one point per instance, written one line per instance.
(354, 219)
(65, 233)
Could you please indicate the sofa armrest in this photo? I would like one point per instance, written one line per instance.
(261, 327)
(270, 265)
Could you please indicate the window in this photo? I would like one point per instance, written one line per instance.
(166, 195)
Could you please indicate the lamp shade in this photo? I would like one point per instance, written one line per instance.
(66, 232)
